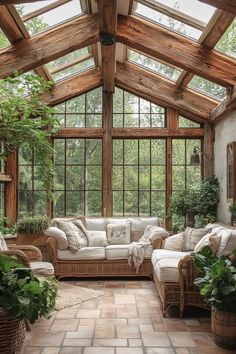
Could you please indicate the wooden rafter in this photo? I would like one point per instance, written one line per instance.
(227, 106)
(28, 54)
(108, 24)
(162, 91)
(175, 49)
(216, 27)
(73, 87)
(227, 5)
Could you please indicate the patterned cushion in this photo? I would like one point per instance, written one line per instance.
(75, 236)
(193, 236)
(211, 239)
(3, 245)
(97, 238)
(118, 234)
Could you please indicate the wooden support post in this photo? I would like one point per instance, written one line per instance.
(107, 153)
(11, 188)
(208, 151)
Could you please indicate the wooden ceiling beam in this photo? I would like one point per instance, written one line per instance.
(28, 54)
(177, 50)
(108, 25)
(163, 92)
(227, 106)
(216, 27)
(73, 87)
(227, 5)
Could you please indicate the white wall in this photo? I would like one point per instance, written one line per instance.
(225, 132)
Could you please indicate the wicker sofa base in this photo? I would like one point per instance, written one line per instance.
(170, 295)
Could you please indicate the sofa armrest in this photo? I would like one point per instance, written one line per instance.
(33, 253)
(52, 249)
(157, 244)
(20, 255)
(187, 273)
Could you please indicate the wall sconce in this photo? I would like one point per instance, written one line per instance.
(195, 157)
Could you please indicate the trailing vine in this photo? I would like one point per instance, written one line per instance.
(25, 120)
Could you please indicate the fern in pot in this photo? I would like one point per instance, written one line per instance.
(218, 285)
(30, 230)
(23, 297)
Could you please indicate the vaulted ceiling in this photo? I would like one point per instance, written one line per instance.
(132, 44)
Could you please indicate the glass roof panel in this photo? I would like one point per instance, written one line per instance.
(166, 21)
(27, 8)
(154, 65)
(4, 42)
(77, 55)
(52, 17)
(80, 67)
(227, 43)
(193, 8)
(208, 88)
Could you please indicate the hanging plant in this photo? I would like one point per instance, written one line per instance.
(25, 120)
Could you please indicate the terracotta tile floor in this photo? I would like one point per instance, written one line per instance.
(125, 320)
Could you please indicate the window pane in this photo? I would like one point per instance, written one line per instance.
(188, 123)
(131, 203)
(94, 203)
(178, 152)
(227, 43)
(207, 87)
(117, 179)
(74, 203)
(118, 204)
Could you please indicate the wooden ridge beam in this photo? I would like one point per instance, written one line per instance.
(28, 54)
(177, 50)
(216, 27)
(163, 92)
(73, 87)
(108, 25)
(227, 106)
(227, 5)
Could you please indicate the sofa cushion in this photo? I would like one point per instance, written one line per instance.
(226, 245)
(166, 270)
(121, 252)
(42, 268)
(86, 253)
(59, 235)
(3, 245)
(154, 232)
(118, 234)
(210, 239)
(159, 254)
(96, 224)
(97, 238)
(193, 236)
(174, 242)
(75, 236)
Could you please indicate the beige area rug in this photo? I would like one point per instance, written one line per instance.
(70, 295)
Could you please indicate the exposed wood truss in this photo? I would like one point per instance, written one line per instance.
(163, 92)
(28, 54)
(177, 50)
(73, 87)
(225, 107)
(108, 24)
(227, 5)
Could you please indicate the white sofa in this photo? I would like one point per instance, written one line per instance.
(106, 259)
(173, 269)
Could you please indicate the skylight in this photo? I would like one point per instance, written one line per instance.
(70, 64)
(227, 43)
(4, 42)
(38, 17)
(152, 64)
(166, 21)
(208, 88)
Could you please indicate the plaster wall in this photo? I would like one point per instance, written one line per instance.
(225, 132)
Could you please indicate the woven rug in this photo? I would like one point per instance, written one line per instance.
(70, 295)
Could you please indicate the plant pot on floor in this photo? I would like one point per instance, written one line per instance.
(12, 333)
(223, 325)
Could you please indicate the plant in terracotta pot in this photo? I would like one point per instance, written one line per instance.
(218, 285)
(23, 297)
(30, 230)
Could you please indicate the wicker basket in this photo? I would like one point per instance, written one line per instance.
(12, 333)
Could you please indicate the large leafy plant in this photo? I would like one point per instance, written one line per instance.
(218, 280)
(33, 224)
(22, 294)
(27, 121)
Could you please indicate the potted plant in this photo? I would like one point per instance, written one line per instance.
(23, 297)
(6, 230)
(30, 230)
(232, 210)
(218, 285)
(26, 121)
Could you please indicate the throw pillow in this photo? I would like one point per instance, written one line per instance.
(118, 234)
(192, 237)
(155, 232)
(211, 239)
(76, 238)
(174, 242)
(97, 238)
(3, 245)
(80, 225)
(226, 245)
(59, 235)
